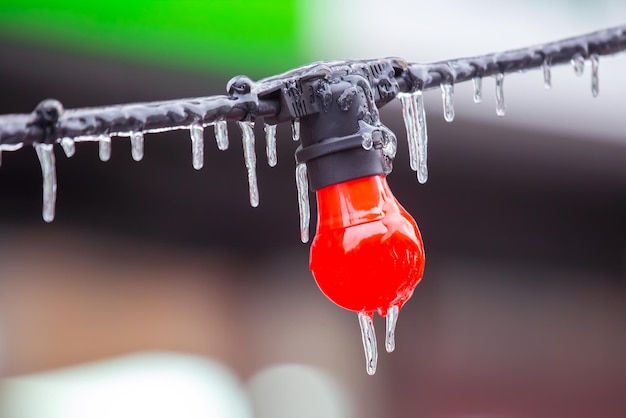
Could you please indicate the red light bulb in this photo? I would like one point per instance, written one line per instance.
(367, 254)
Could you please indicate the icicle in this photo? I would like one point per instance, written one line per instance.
(447, 93)
(500, 107)
(270, 144)
(197, 145)
(0, 157)
(478, 89)
(578, 62)
(368, 336)
(104, 147)
(295, 130)
(414, 116)
(221, 135)
(595, 62)
(547, 72)
(247, 130)
(410, 123)
(136, 145)
(391, 320)
(45, 153)
(422, 137)
(69, 146)
(302, 183)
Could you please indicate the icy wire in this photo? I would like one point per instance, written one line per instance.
(275, 99)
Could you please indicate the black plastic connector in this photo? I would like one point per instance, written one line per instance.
(343, 140)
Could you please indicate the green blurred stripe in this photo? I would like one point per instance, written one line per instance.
(258, 37)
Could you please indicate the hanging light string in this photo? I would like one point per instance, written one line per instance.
(277, 99)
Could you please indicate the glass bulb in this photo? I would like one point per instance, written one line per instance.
(367, 254)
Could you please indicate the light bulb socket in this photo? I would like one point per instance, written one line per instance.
(332, 140)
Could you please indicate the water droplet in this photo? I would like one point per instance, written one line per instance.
(136, 145)
(45, 153)
(197, 145)
(295, 129)
(368, 335)
(247, 130)
(447, 94)
(104, 147)
(578, 62)
(270, 144)
(69, 146)
(500, 107)
(595, 62)
(547, 72)
(221, 135)
(302, 184)
(478, 89)
(368, 142)
(391, 320)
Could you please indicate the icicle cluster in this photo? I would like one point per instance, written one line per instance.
(415, 117)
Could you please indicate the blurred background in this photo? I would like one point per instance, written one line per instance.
(158, 291)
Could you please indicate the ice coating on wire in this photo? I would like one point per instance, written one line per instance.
(270, 144)
(9, 147)
(45, 153)
(391, 319)
(197, 145)
(136, 145)
(221, 134)
(304, 207)
(169, 115)
(368, 335)
(247, 131)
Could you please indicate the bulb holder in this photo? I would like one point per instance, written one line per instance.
(332, 140)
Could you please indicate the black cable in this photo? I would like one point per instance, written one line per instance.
(604, 42)
(266, 98)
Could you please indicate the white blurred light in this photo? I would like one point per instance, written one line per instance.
(297, 391)
(155, 385)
